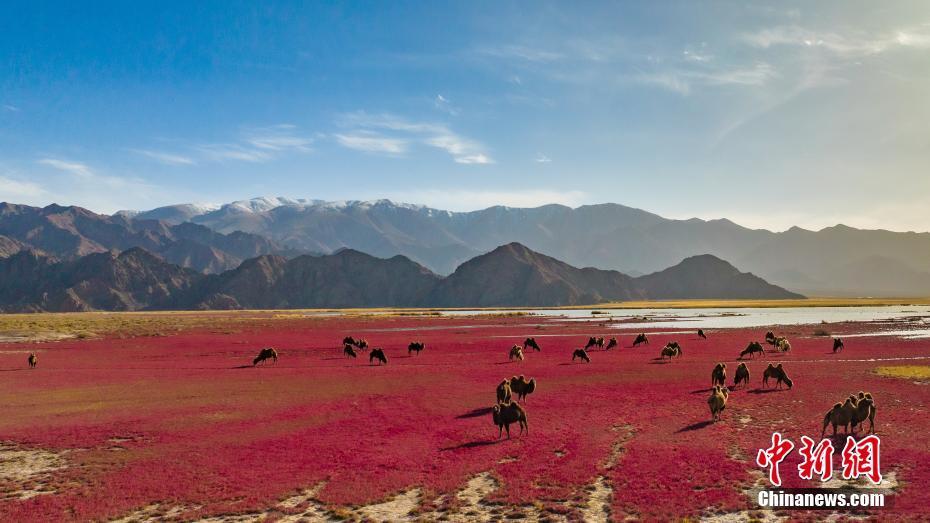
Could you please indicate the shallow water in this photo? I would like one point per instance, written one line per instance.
(725, 318)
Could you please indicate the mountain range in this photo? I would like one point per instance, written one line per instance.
(71, 232)
(510, 275)
(838, 261)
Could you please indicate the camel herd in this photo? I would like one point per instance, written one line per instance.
(850, 413)
(856, 409)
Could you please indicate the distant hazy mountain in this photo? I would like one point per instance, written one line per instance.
(72, 232)
(132, 280)
(837, 260)
(345, 279)
(511, 275)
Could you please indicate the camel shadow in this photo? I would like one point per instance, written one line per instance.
(333, 358)
(694, 426)
(472, 444)
(243, 367)
(474, 413)
(764, 391)
(505, 362)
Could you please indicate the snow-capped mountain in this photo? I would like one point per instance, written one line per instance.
(834, 261)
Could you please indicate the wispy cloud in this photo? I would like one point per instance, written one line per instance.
(371, 142)
(10, 107)
(165, 158)
(75, 168)
(521, 52)
(280, 138)
(84, 185)
(255, 145)
(856, 44)
(542, 158)
(443, 104)
(18, 190)
(224, 152)
(682, 80)
(402, 131)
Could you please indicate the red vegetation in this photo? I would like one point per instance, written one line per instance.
(186, 420)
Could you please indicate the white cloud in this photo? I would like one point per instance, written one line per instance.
(443, 104)
(85, 186)
(467, 200)
(165, 158)
(371, 142)
(278, 138)
(10, 107)
(542, 158)
(75, 168)
(521, 52)
(19, 190)
(255, 145)
(461, 149)
(232, 152)
(848, 45)
(682, 80)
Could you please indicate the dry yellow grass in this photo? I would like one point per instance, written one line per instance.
(910, 372)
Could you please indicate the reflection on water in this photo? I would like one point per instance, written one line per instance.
(725, 318)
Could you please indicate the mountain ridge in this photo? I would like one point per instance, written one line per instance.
(510, 275)
(607, 236)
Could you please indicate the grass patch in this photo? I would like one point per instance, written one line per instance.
(910, 372)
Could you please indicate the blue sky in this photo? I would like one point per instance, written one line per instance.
(771, 114)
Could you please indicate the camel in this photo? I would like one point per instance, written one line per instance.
(581, 353)
(415, 346)
(349, 340)
(612, 343)
(516, 353)
(594, 342)
(770, 338)
(717, 402)
(264, 355)
(742, 375)
(838, 345)
(504, 392)
(521, 387)
(361, 344)
(782, 344)
(531, 343)
(377, 354)
(718, 376)
(641, 338)
(865, 410)
(506, 414)
(840, 415)
(701, 334)
(777, 373)
(33, 360)
(752, 349)
(671, 351)
(349, 351)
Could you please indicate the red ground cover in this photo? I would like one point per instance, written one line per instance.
(192, 427)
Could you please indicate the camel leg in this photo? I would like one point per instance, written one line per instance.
(500, 431)
(508, 430)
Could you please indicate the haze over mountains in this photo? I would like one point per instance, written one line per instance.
(839, 260)
(510, 275)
